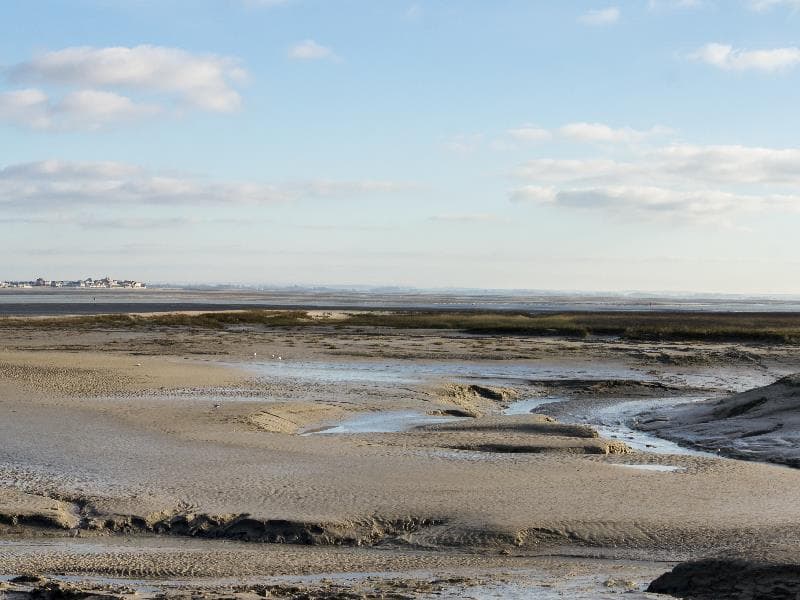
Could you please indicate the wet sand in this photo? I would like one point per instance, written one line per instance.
(123, 435)
(759, 424)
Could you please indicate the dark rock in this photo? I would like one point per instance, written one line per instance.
(732, 579)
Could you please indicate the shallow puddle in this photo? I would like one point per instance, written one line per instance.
(529, 405)
(382, 422)
(615, 422)
(658, 468)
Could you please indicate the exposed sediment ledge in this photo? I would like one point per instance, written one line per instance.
(30, 587)
(517, 434)
(292, 417)
(760, 424)
(618, 388)
(244, 527)
(19, 508)
(733, 579)
(475, 400)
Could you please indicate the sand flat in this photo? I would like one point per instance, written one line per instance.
(174, 444)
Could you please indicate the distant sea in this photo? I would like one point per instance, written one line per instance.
(33, 302)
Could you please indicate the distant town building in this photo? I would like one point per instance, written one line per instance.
(89, 282)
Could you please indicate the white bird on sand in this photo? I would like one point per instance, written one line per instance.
(279, 358)
(273, 356)
(217, 405)
(255, 354)
(138, 364)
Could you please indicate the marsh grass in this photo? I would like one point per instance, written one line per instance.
(211, 320)
(776, 328)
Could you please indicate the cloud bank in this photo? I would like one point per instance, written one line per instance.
(68, 185)
(725, 56)
(600, 17)
(681, 182)
(82, 109)
(310, 50)
(103, 86)
(203, 81)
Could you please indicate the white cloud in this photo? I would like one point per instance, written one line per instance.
(82, 109)
(310, 50)
(533, 193)
(530, 133)
(732, 165)
(67, 184)
(465, 143)
(680, 181)
(674, 4)
(327, 188)
(414, 11)
(202, 81)
(94, 108)
(28, 107)
(651, 202)
(565, 169)
(600, 17)
(266, 3)
(91, 220)
(583, 132)
(600, 132)
(764, 5)
(467, 218)
(729, 164)
(725, 56)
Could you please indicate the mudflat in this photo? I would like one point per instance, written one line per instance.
(179, 452)
(759, 424)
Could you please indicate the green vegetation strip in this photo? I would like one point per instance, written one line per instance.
(779, 328)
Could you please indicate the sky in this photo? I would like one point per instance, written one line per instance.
(649, 145)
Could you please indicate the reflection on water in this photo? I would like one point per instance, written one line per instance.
(615, 421)
(658, 468)
(524, 407)
(383, 422)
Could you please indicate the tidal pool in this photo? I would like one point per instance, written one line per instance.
(382, 422)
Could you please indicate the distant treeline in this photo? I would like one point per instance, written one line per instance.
(779, 328)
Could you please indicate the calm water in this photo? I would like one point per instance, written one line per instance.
(391, 421)
(63, 301)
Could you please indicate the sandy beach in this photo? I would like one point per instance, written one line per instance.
(196, 457)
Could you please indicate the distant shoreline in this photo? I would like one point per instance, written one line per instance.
(84, 302)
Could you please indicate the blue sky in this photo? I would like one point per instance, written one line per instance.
(648, 145)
